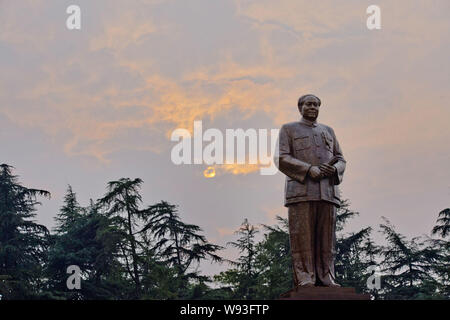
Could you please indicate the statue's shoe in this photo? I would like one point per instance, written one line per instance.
(306, 285)
(329, 282)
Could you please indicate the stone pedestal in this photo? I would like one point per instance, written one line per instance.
(323, 293)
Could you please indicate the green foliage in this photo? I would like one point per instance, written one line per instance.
(442, 226)
(23, 243)
(179, 245)
(442, 245)
(89, 240)
(121, 203)
(125, 251)
(263, 269)
(274, 261)
(410, 266)
(355, 252)
(243, 277)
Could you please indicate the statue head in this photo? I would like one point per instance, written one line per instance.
(308, 105)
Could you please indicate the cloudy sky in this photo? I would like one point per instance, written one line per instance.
(84, 107)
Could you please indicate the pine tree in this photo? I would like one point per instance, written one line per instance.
(69, 213)
(355, 252)
(242, 279)
(442, 227)
(87, 239)
(409, 266)
(23, 243)
(180, 246)
(273, 261)
(121, 203)
(442, 245)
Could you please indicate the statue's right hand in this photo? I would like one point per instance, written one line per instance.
(315, 173)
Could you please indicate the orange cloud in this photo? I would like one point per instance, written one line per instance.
(118, 92)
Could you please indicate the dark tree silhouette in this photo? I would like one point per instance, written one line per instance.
(408, 265)
(273, 260)
(178, 244)
(355, 252)
(442, 226)
(122, 202)
(243, 277)
(23, 243)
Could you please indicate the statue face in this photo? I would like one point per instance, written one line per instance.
(310, 109)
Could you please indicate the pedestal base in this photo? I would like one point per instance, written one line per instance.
(324, 293)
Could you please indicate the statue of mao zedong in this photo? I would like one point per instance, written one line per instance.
(310, 157)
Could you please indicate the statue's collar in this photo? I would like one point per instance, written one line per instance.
(308, 123)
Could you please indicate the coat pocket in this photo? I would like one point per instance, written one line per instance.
(327, 141)
(301, 143)
(295, 189)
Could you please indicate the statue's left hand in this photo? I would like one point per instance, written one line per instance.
(327, 170)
